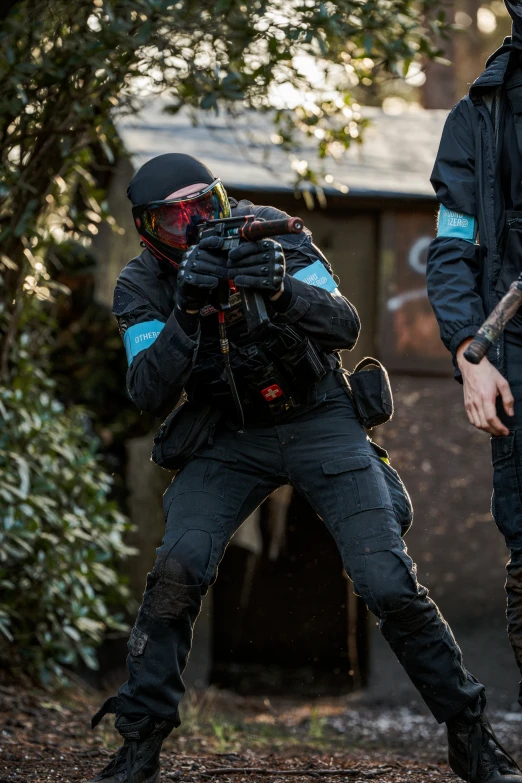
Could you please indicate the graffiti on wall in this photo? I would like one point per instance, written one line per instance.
(417, 261)
(409, 335)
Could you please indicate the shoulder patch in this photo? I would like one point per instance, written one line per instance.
(125, 301)
(317, 275)
(121, 301)
(139, 337)
(456, 224)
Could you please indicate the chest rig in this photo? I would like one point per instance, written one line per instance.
(273, 371)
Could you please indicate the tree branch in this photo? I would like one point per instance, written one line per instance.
(306, 772)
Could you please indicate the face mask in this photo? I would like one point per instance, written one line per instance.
(170, 226)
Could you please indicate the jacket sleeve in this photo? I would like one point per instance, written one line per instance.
(324, 315)
(453, 267)
(160, 355)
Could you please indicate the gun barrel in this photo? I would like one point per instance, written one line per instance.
(260, 229)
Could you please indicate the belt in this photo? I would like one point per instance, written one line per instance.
(276, 414)
(332, 380)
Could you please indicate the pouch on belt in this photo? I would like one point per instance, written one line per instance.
(184, 432)
(369, 389)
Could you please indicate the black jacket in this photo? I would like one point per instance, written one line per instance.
(145, 292)
(462, 277)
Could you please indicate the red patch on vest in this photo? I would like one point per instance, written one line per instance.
(270, 393)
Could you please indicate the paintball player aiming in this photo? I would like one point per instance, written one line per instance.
(267, 405)
(478, 181)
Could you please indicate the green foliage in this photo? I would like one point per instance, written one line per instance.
(60, 537)
(311, 61)
(67, 67)
(317, 725)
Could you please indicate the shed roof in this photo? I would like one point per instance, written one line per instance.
(395, 160)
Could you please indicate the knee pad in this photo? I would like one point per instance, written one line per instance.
(384, 575)
(179, 578)
(186, 562)
(391, 580)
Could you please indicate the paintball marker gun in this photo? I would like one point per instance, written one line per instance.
(492, 328)
(247, 228)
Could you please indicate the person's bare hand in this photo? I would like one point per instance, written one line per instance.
(482, 385)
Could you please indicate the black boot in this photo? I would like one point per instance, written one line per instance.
(137, 761)
(475, 754)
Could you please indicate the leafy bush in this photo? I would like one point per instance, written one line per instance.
(60, 536)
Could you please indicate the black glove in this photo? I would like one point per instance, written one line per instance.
(199, 274)
(259, 265)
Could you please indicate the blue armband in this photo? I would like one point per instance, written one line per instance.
(316, 274)
(140, 336)
(456, 224)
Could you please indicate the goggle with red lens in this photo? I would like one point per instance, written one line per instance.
(174, 223)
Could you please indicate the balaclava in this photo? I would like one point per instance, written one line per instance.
(515, 11)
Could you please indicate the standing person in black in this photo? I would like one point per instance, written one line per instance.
(300, 428)
(477, 254)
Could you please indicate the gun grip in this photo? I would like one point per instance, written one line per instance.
(223, 295)
(254, 309)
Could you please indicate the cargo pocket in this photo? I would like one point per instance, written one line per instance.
(400, 498)
(358, 483)
(136, 646)
(208, 471)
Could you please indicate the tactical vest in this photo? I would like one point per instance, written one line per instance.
(273, 370)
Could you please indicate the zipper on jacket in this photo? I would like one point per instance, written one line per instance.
(491, 137)
(489, 134)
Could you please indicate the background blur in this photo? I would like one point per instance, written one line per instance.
(282, 618)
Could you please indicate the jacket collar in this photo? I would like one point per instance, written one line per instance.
(496, 68)
(158, 266)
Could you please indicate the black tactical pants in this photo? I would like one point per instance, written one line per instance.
(507, 499)
(326, 455)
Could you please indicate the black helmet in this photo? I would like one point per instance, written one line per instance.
(168, 227)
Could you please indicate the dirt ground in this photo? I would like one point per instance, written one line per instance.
(227, 738)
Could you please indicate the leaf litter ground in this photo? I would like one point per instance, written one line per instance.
(232, 739)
